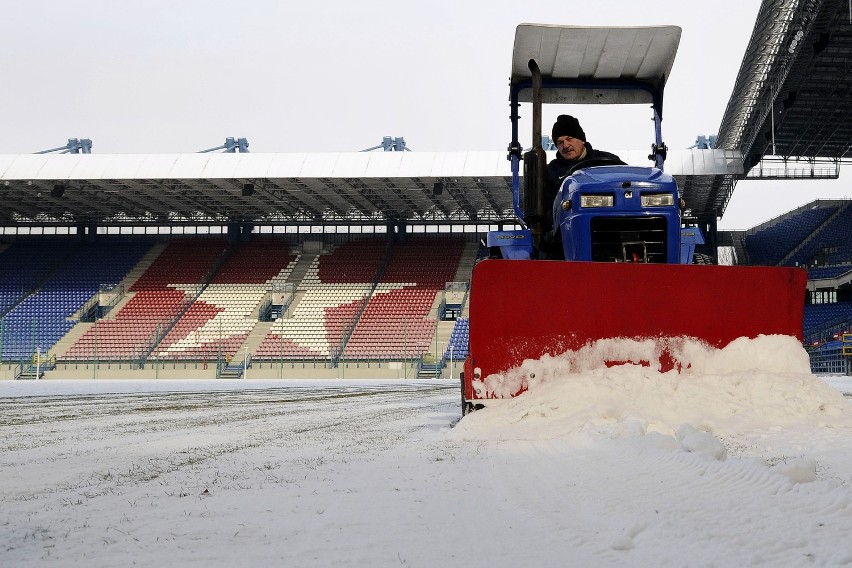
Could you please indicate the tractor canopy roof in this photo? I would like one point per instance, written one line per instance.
(594, 65)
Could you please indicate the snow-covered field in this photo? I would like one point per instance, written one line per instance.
(607, 467)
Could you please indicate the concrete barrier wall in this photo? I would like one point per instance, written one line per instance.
(266, 370)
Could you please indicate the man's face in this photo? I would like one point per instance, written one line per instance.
(569, 147)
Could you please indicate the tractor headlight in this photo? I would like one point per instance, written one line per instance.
(596, 201)
(658, 200)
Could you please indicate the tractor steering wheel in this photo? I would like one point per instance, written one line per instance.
(591, 162)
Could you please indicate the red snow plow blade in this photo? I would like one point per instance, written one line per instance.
(527, 309)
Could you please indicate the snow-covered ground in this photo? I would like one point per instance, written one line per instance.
(724, 465)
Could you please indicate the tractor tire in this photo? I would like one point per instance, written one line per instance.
(465, 407)
(700, 258)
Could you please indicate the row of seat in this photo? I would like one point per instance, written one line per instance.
(228, 310)
(74, 274)
(395, 321)
(771, 244)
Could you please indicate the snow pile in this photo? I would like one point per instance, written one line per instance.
(774, 353)
(752, 384)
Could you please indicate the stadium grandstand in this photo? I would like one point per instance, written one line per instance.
(356, 264)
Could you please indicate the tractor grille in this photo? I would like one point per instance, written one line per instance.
(629, 239)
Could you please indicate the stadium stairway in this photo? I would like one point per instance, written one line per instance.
(445, 327)
(80, 328)
(300, 269)
(224, 314)
(465, 272)
(296, 276)
(740, 251)
(252, 342)
(402, 313)
(131, 278)
(443, 332)
(71, 337)
(144, 263)
(332, 289)
(467, 262)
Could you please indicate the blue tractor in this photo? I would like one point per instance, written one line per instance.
(617, 213)
(626, 265)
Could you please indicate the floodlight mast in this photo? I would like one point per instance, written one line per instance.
(390, 144)
(74, 146)
(231, 146)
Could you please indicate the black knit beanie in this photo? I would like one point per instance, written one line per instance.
(567, 125)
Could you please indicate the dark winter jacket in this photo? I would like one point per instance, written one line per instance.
(557, 171)
(558, 168)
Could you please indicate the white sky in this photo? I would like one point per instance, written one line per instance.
(162, 76)
(745, 460)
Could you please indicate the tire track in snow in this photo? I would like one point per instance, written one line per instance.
(115, 495)
(157, 434)
(725, 503)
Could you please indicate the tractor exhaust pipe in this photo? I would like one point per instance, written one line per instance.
(536, 85)
(535, 167)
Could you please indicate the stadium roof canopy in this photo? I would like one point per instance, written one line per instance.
(318, 188)
(799, 64)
